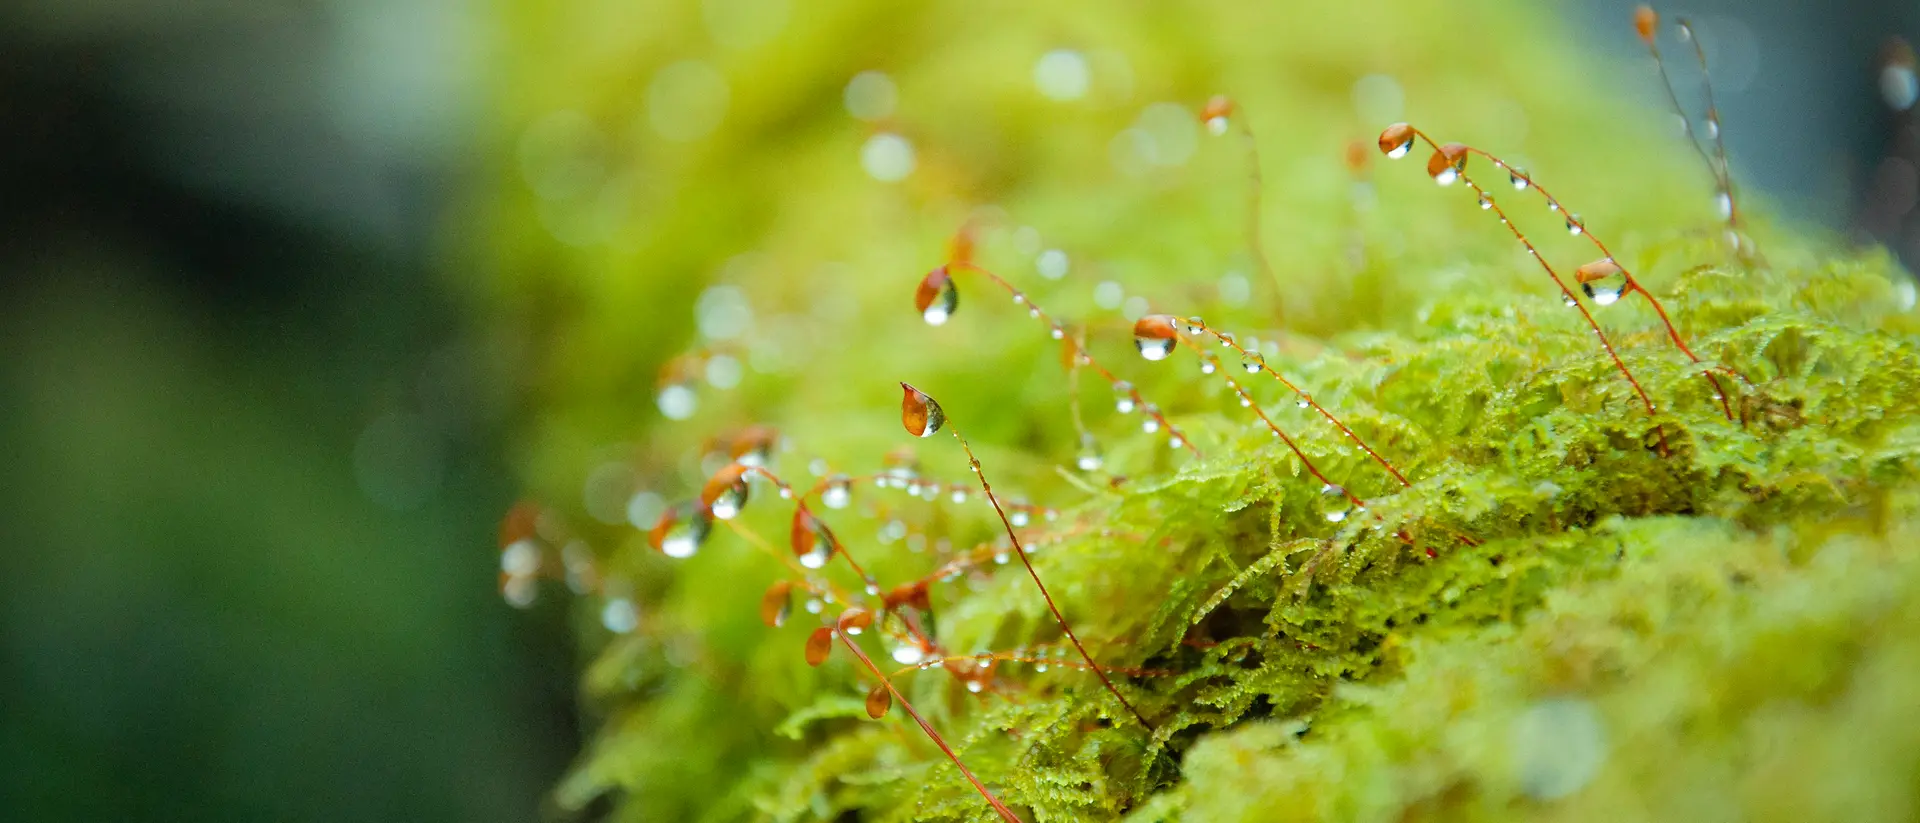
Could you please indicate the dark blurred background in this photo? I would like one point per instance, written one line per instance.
(253, 451)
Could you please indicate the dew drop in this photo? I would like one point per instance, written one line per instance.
(1154, 336)
(677, 401)
(681, 530)
(1303, 402)
(1019, 517)
(1602, 280)
(936, 298)
(777, 604)
(1723, 202)
(1396, 140)
(1207, 365)
(1001, 558)
(814, 605)
(887, 157)
(919, 413)
(619, 615)
(959, 495)
(1574, 225)
(1196, 326)
(1485, 202)
(1089, 459)
(838, 493)
(974, 686)
(1176, 442)
(1518, 177)
(1057, 333)
(908, 654)
(1334, 503)
(1123, 401)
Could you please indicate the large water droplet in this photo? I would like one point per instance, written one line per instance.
(1334, 503)
(1397, 140)
(681, 530)
(1602, 280)
(1154, 348)
(919, 413)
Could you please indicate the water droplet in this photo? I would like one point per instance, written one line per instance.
(1568, 299)
(619, 615)
(1602, 280)
(1397, 140)
(1723, 202)
(936, 298)
(887, 157)
(1001, 558)
(1303, 402)
(1052, 264)
(677, 401)
(815, 606)
(1089, 459)
(1518, 177)
(1057, 333)
(1176, 442)
(1446, 163)
(520, 559)
(1713, 126)
(908, 654)
(1019, 517)
(1207, 365)
(681, 530)
(1154, 336)
(959, 495)
(974, 686)
(1334, 503)
(838, 493)
(1485, 202)
(1574, 225)
(812, 542)
(726, 492)
(1123, 401)
(919, 413)
(1040, 668)
(1196, 326)
(777, 604)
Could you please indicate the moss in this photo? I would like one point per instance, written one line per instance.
(1710, 633)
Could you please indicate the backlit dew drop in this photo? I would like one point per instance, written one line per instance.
(1485, 202)
(1217, 114)
(1713, 125)
(619, 615)
(1207, 365)
(1089, 459)
(1154, 336)
(919, 413)
(812, 542)
(819, 643)
(777, 604)
(1574, 225)
(1723, 203)
(1396, 140)
(1519, 179)
(907, 654)
(975, 686)
(838, 493)
(814, 605)
(879, 701)
(677, 401)
(855, 620)
(1123, 401)
(726, 492)
(1019, 517)
(1057, 333)
(936, 298)
(753, 446)
(1176, 443)
(959, 495)
(1303, 403)
(1196, 326)
(1568, 299)
(1602, 281)
(1334, 503)
(1001, 558)
(1253, 362)
(1446, 163)
(678, 534)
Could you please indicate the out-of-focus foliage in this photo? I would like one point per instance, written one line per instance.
(1710, 633)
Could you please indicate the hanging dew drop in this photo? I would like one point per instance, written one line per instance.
(1334, 503)
(1602, 280)
(1196, 326)
(1019, 518)
(1723, 203)
(936, 298)
(1153, 348)
(1519, 179)
(1123, 401)
(839, 492)
(1206, 366)
(1574, 224)
(1176, 442)
(1253, 362)
(1058, 333)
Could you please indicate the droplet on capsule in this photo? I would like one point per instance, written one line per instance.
(1396, 140)
(680, 530)
(726, 492)
(1155, 335)
(1602, 280)
(879, 701)
(936, 298)
(920, 413)
(777, 604)
(855, 620)
(1217, 114)
(1447, 163)
(812, 542)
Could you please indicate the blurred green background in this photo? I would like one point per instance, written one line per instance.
(256, 442)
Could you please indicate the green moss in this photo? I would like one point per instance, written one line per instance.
(1713, 633)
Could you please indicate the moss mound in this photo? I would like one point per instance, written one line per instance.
(1553, 620)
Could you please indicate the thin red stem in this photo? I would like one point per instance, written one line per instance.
(1080, 352)
(1005, 813)
(1066, 629)
(1308, 398)
(1561, 284)
(1633, 283)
